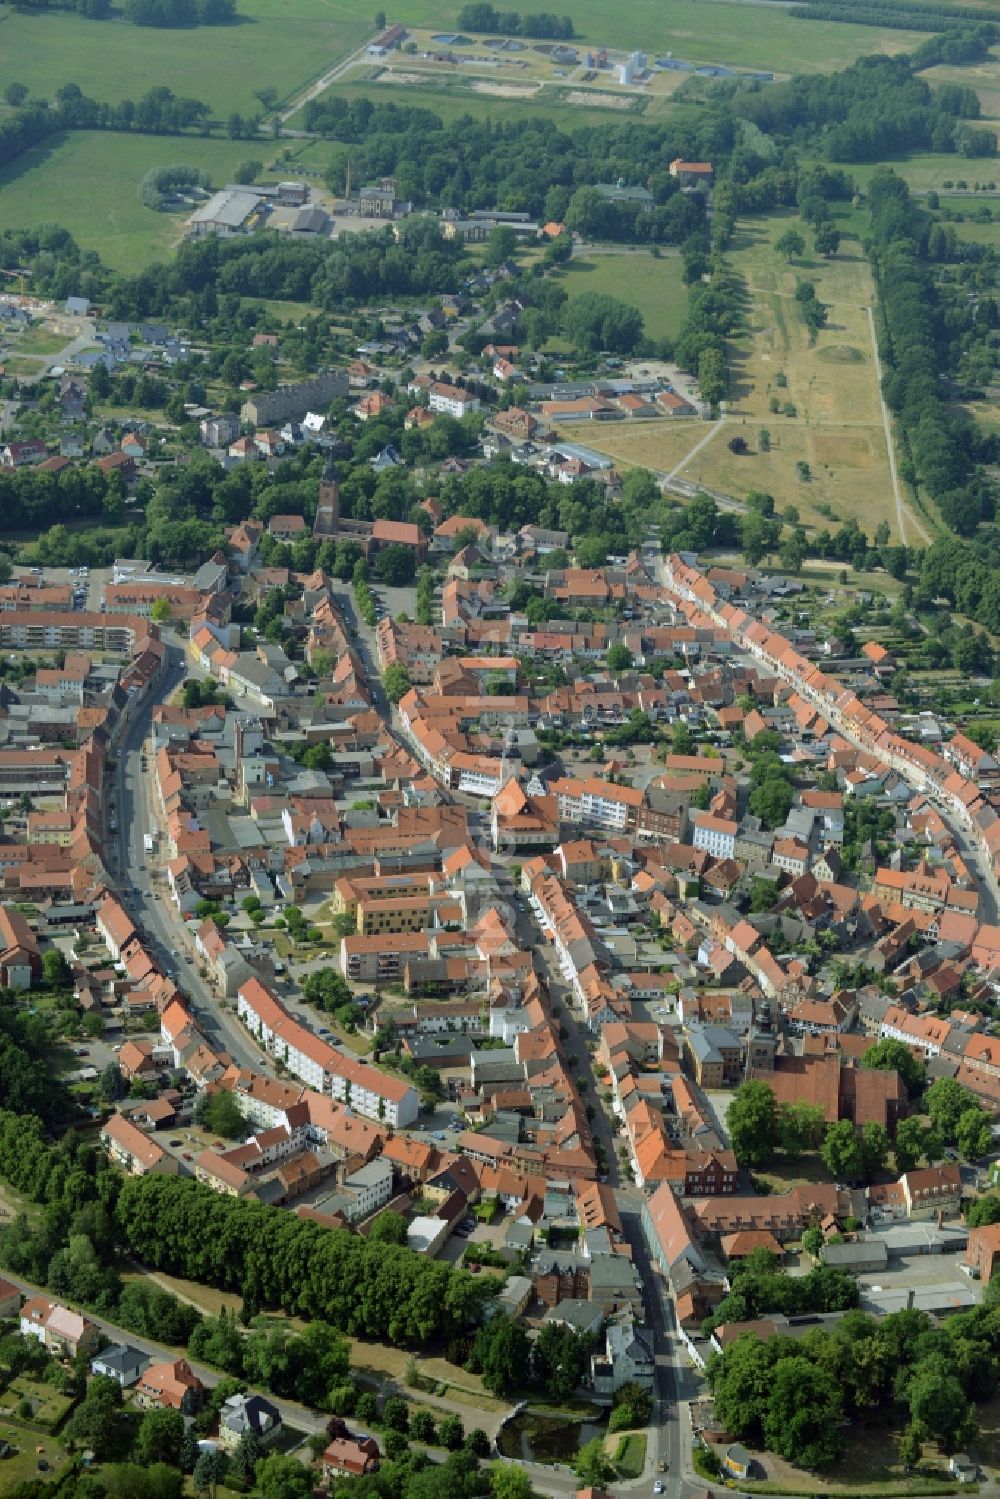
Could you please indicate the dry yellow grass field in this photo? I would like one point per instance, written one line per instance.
(654, 444)
(848, 470)
(830, 378)
(827, 383)
(825, 389)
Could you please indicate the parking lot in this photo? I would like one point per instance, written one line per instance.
(437, 1128)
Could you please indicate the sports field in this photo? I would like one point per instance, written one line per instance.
(654, 286)
(277, 43)
(87, 181)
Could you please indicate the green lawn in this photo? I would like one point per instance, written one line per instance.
(88, 181)
(630, 1455)
(41, 341)
(656, 287)
(280, 43)
(987, 233)
(22, 1465)
(929, 170)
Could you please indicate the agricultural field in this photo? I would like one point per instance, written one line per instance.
(654, 285)
(88, 181)
(720, 31)
(222, 65)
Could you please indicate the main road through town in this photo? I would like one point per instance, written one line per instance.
(151, 908)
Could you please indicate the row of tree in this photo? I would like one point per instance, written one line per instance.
(275, 1259)
(159, 112)
(481, 16)
(887, 14)
(965, 573)
(173, 13)
(146, 12)
(942, 446)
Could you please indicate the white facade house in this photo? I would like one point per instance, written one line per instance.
(599, 803)
(452, 400)
(716, 835)
(370, 1187)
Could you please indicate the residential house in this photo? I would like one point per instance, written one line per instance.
(62, 1332)
(172, 1385)
(627, 1358)
(453, 400)
(932, 1190)
(120, 1363)
(354, 1456)
(134, 1151)
(248, 1413)
(982, 1253)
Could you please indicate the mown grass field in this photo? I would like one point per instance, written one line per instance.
(928, 171)
(277, 43)
(88, 180)
(835, 423)
(654, 286)
(983, 76)
(985, 233)
(848, 466)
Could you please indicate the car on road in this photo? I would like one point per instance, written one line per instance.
(657, 1487)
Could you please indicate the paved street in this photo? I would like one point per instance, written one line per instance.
(170, 936)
